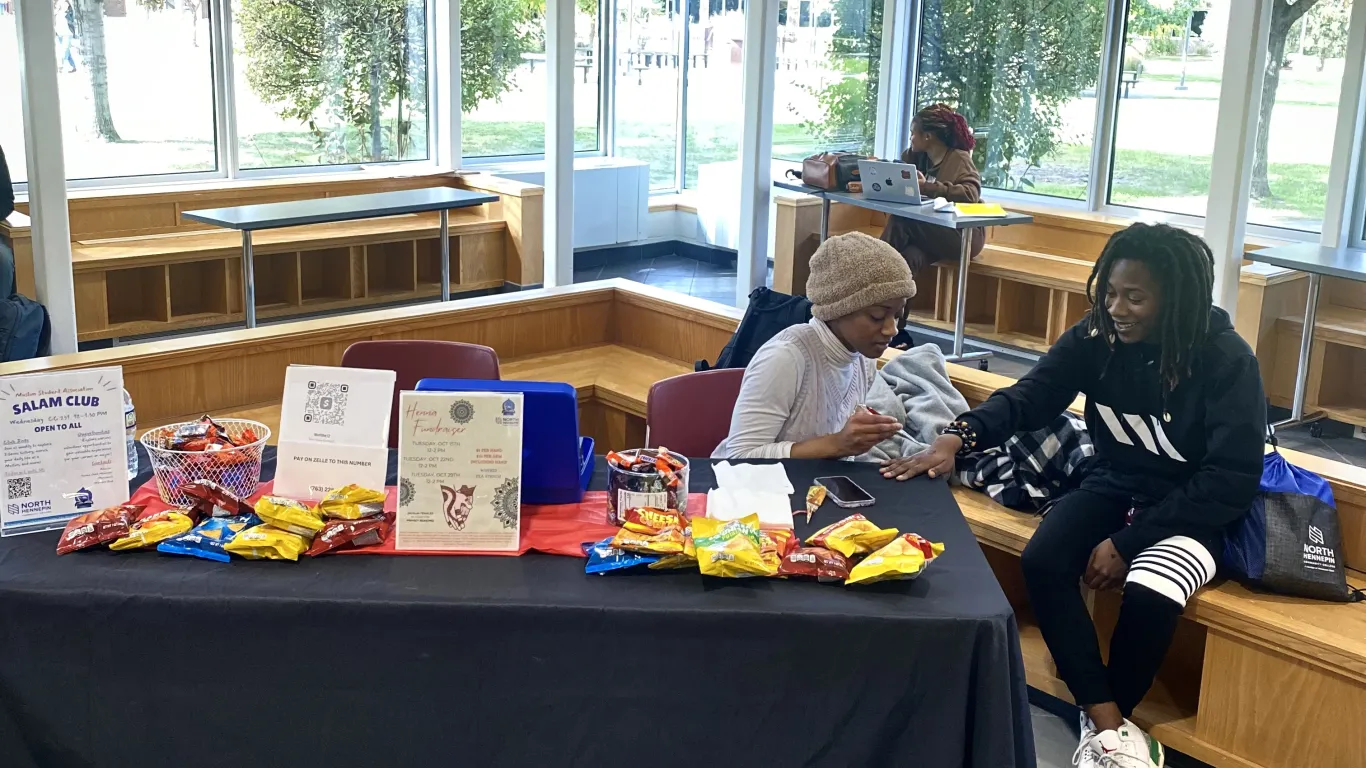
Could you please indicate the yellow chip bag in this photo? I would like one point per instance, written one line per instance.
(147, 532)
(854, 535)
(685, 559)
(906, 557)
(351, 502)
(666, 542)
(289, 515)
(266, 542)
(730, 548)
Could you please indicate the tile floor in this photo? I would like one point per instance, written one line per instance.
(717, 283)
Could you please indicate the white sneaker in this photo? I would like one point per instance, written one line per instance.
(1086, 755)
(1127, 747)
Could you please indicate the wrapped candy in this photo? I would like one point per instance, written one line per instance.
(854, 535)
(730, 549)
(352, 502)
(350, 534)
(98, 527)
(646, 477)
(814, 563)
(906, 557)
(149, 531)
(289, 515)
(265, 542)
(605, 558)
(207, 539)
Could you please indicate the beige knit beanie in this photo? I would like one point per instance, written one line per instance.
(855, 271)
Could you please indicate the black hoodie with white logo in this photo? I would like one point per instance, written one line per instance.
(1191, 462)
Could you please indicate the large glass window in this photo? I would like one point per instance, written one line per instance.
(503, 72)
(136, 85)
(11, 128)
(714, 98)
(1023, 73)
(1299, 114)
(1169, 104)
(825, 97)
(329, 83)
(647, 81)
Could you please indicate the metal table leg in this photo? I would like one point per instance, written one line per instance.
(248, 281)
(1311, 311)
(825, 217)
(961, 306)
(445, 255)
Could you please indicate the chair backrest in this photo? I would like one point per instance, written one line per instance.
(690, 414)
(412, 361)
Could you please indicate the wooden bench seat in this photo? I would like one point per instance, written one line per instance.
(212, 244)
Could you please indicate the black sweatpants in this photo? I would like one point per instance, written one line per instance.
(1161, 579)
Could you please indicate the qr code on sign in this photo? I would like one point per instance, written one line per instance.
(326, 404)
(19, 487)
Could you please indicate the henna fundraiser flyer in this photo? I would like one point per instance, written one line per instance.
(62, 447)
(460, 471)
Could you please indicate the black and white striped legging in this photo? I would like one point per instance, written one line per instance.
(1160, 581)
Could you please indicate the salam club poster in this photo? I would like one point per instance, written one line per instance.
(62, 450)
(459, 468)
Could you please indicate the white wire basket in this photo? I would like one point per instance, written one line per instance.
(236, 468)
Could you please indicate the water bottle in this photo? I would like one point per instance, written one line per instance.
(130, 429)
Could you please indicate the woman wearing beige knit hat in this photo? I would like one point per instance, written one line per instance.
(802, 391)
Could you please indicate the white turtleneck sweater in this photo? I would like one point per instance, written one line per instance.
(804, 383)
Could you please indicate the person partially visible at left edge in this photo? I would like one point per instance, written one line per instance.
(1175, 408)
(803, 393)
(6, 189)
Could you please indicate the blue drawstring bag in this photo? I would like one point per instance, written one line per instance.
(1290, 541)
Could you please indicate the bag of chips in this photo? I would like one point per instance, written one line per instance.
(854, 535)
(652, 519)
(816, 563)
(213, 500)
(150, 530)
(206, 540)
(685, 559)
(99, 527)
(774, 544)
(666, 542)
(906, 557)
(289, 515)
(730, 548)
(350, 534)
(351, 502)
(266, 542)
(605, 558)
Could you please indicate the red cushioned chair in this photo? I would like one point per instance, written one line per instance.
(413, 361)
(690, 414)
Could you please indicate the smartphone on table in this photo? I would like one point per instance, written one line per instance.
(845, 492)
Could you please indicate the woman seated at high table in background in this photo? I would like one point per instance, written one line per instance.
(941, 151)
(1175, 408)
(802, 393)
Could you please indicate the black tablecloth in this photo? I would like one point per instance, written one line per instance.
(145, 660)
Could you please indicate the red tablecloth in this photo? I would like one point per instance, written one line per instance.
(555, 529)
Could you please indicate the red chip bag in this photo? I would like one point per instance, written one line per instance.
(99, 527)
(814, 563)
(350, 534)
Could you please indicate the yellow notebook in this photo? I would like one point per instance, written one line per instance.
(980, 209)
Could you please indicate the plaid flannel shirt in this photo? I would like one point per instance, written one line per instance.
(1032, 469)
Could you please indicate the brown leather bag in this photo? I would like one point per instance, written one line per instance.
(831, 170)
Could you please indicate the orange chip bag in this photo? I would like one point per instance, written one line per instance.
(906, 557)
(666, 542)
(685, 559)
(653, 519)
(854, 535)
(730, 548)
(774, 544)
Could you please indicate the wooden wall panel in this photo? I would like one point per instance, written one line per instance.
(686, 331)
(482, 261)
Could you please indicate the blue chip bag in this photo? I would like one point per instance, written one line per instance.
(605, 558)
(207, 539)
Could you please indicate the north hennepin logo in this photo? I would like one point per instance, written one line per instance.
(1315, 535)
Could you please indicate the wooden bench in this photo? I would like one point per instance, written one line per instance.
(1252, 677)
(139, 268)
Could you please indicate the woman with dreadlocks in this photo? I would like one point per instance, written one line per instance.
(941, 151)
(1175, 409)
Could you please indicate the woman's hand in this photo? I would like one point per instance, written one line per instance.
(1107, 568)
(936, 461)
(864, 430)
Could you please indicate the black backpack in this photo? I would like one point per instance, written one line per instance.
(769, 313)
(25, 330)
